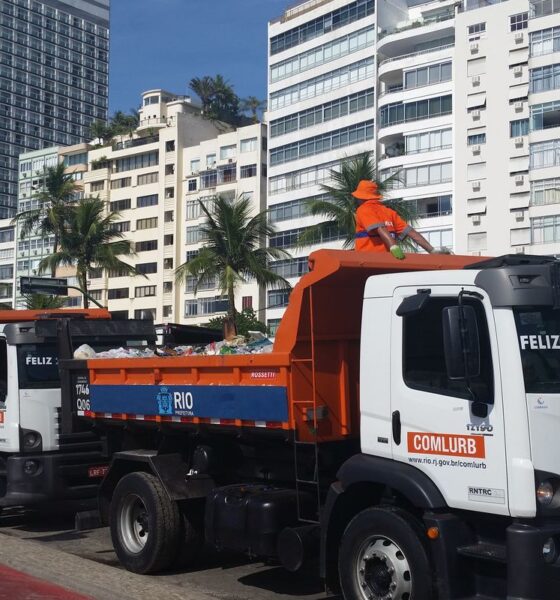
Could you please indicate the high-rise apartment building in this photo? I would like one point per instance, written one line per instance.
(461, 98)
(154, 180)
(53, 79)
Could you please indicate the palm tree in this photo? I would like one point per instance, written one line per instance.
(90, 241)
(204, 88)
(55, 198)
(253, 105)
(339, 207)
(99, 130)
(39, 301)
(234, 250)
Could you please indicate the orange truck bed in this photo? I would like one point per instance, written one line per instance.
(309, 384)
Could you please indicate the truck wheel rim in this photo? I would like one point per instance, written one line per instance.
(382, 570)
(134, 524)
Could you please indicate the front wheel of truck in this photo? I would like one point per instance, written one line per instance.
(145, 524)
(382, 557)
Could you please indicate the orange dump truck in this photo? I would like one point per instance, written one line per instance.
(259, 453)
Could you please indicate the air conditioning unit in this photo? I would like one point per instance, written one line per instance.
(475, 114)
(518, 141)
(475, 149)
(474, 47)
(230, 160)
(475, 79)
(518, 37)
(520, 250)
(518, 106)
(518, 70)
(518, 215)
(519, 179)
(475, 219)
(476, 185)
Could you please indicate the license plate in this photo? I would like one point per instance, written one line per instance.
(97, 471)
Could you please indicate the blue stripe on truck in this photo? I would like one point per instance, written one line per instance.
(248, 403)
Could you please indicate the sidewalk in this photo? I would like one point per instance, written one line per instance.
(40, 569)
(19, 586)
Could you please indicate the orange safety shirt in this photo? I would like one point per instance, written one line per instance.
(371, 215)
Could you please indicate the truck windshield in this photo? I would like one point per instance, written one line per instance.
(538, 331)
(38, 366)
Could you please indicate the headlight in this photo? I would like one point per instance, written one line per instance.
(550, 551)
(545, 493)
(31, 440)
(30, 467)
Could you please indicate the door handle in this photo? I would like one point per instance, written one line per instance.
(396, 422)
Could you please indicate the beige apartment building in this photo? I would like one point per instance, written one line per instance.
(154, 178)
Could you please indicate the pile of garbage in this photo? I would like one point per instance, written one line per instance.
(256, 343)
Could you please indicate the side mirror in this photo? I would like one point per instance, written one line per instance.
(461, 342)
(413, 304)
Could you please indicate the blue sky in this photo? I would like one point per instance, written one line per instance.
(165, 43)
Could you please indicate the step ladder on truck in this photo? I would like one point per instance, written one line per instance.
(403, 431)
(38, 463)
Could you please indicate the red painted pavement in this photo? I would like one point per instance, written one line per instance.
(15, 585)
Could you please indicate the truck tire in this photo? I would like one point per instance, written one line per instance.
(191, 540)
(382, 557)
(145, 524)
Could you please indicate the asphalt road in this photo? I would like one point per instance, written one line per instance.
(47, 546)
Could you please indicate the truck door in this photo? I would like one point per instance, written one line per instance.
(463, 454)
(9, 404)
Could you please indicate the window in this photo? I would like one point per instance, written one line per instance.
(205, 306)
(248, 171)
(170, 146)
(439, 238)
(477, 241)
(545, 116)
(119, 272)
(424, 358)
(150, 223)
(147, 314)
(143, 201)
(476, 31)
(248, 145)
(144, 290)
(545, 230)
(273, 325)
(146, 246)
(285, 239)
(401, 112)
(545, 191)
(192, 185)
(170, 169)
(296, 180)
(6, 272)
(169, 193)
(227, 152)
(519, 127)
(545, 154)
(97, 186)
(121, 226)
(545, 41)
(322, 84)
(427, 75)
(168, 239)
(147, 178)
(476, 139)
(193, 235)
(146, 268)
(167, 287)
(328, 22)
(119, 205)
(167, 311)
(168, 216)
(291, 267)
(208, 179)
(544, 78)
(117, 293)
(519, 21)
(294, 209)
(278, 298)
(195, 165)
(138, 161)
(6, 235)
(323, 113)
(315, 57)
(167, 263)
(427, 175)
(121, 183)
(340, 138)
(426, 141)
(210, 160)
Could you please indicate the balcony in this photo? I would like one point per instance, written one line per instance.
(543, 8)
(413, 54)
(422, 22)
(134, 143)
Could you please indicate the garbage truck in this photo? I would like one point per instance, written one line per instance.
(403, 433)
(38, 463)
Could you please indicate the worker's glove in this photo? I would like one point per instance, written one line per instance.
(442, 250)
(396, 252)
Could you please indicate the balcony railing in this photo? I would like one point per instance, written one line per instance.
(419, 53)
(136, 142)
(417, 23)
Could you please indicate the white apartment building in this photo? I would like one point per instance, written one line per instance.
(466, 102)
(231, 165)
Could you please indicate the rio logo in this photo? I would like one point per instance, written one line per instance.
(179, 403)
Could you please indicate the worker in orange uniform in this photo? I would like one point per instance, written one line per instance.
(378, 227)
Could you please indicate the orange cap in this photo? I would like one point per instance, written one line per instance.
(366, 190)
